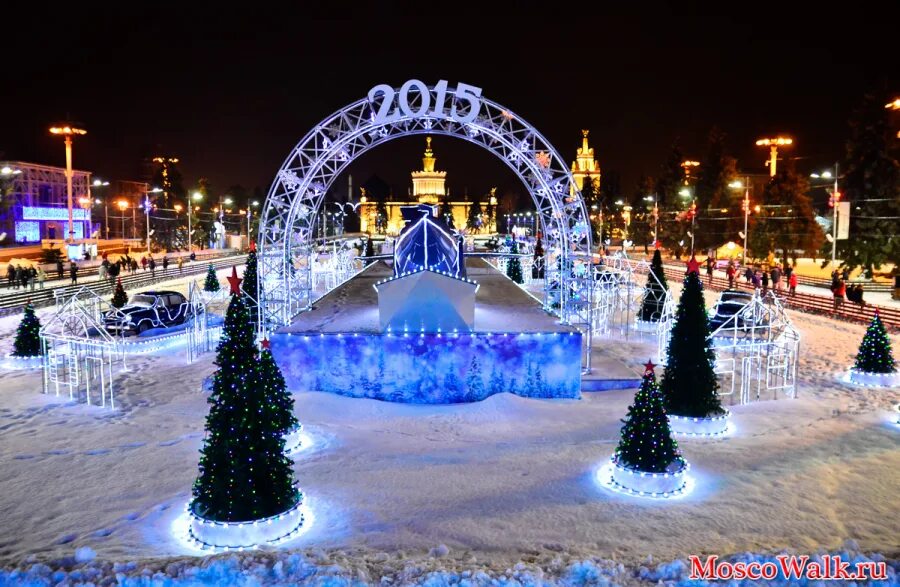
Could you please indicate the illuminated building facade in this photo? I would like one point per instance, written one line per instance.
(428, 187)
(37, 204)
(585, 165)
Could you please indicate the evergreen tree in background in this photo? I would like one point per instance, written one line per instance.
(689, 383)
(871, 182)
(474, 221)
(28, 339)
(787, 221)
(447, 212)
(212, 280)
(713, 194)
(370, 247)
(875, 354)
(514, 265)
(497, 384)
(120, 298)
(672, 179)
(244, 473)
(655, 293)
(646, 442)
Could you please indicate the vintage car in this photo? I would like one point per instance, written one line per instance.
(146, 310)
(732, 310)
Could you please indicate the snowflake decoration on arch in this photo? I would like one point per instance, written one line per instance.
(289, 179)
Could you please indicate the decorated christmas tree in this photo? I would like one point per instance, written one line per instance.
(513, 265)
(120, 298)
(646, 443)
(689, 383)
(28, 340)
(249, 285)
(244, 473)
(279, 402)
(875, 351)
(655, 293)
(212, 281)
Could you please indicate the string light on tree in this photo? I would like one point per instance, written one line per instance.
(212, 280)
(28, 340)
(875, 365)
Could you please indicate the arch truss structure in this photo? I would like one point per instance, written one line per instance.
(297, 194)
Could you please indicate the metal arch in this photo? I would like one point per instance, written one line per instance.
(297, 193)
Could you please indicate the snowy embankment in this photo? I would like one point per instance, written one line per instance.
(503, 482)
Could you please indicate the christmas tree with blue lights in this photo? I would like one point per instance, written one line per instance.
(646, 442)
(28, 339)
(244, 473)
(514, 265)
(689, 383)
(875, 354)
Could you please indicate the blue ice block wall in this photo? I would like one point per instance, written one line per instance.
(432, 368)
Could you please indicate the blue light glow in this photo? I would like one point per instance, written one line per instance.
(51, 213)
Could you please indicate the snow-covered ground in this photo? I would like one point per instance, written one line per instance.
(402, 490)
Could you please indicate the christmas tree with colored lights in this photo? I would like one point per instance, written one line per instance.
(249, 285)
(212, 280)
(875, 354)
(120, 298)
(28, 339)
(244, 473)
(513, 265)
(689, 383)
(646, 443)
(279, 402)
(654, 300)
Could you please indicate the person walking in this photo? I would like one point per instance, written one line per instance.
(193, 256)
(103, 271)
(748, 275)
(839, 292)
(134, 265)
(165, 264)
(73, 272)
(144, 263)
(180, 264)
(59, 269)
(32, 277)
(41, 277)
(755, 279)
(23, 277)
(776, 278)
(709, 269)
(10, 275)
(764, 279)
(152, 265)
(729, 273)
(792, 283)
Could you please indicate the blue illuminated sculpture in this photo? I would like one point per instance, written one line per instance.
(429, 291)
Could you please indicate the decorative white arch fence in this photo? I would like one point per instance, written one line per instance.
(288, 221)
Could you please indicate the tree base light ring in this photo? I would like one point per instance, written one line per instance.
(210, 534)
(646, 484)
(13, 362)
(707, 427)
(875, 379)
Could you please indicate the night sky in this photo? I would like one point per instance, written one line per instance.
(231, 93)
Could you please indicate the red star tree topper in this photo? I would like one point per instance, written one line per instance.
(648, 367)
(235, 282)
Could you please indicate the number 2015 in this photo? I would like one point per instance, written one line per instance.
(388, 111)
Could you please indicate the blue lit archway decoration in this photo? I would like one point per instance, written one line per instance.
(288, 221)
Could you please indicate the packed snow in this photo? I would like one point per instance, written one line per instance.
(497, 492)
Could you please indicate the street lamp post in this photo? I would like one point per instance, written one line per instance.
(100, 184)
(835, 200)
(194, 196)
(773, 145)
(147, 208)
(123, 205)
(746, 205)
(68, 132)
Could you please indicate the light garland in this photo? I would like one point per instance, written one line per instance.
(606, 477)
(423, 270)
(711, 427)
(871, 380)
(12, 361)
(161, 342)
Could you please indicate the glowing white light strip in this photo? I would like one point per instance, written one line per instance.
(604, 477)
(423, 270)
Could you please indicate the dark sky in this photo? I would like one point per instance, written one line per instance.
(230, 93)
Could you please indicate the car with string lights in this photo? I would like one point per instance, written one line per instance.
(146, 310)
(734, 311)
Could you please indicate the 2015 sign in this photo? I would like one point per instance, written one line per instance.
(395, 105)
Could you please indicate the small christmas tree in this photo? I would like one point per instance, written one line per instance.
(875, 354)
(513, 265)
(120, 298)
(212, 280)
(654, 300)
(244, 473)
(689, 383)
(28, 339)
(474, 383)
(646, 443)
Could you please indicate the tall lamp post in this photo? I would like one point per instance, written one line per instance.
(123, 205)
(773, 145)
(147, 208)
(97, 185)
(194, 196)
(835, 200)
(67, 132)
(737, 184)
